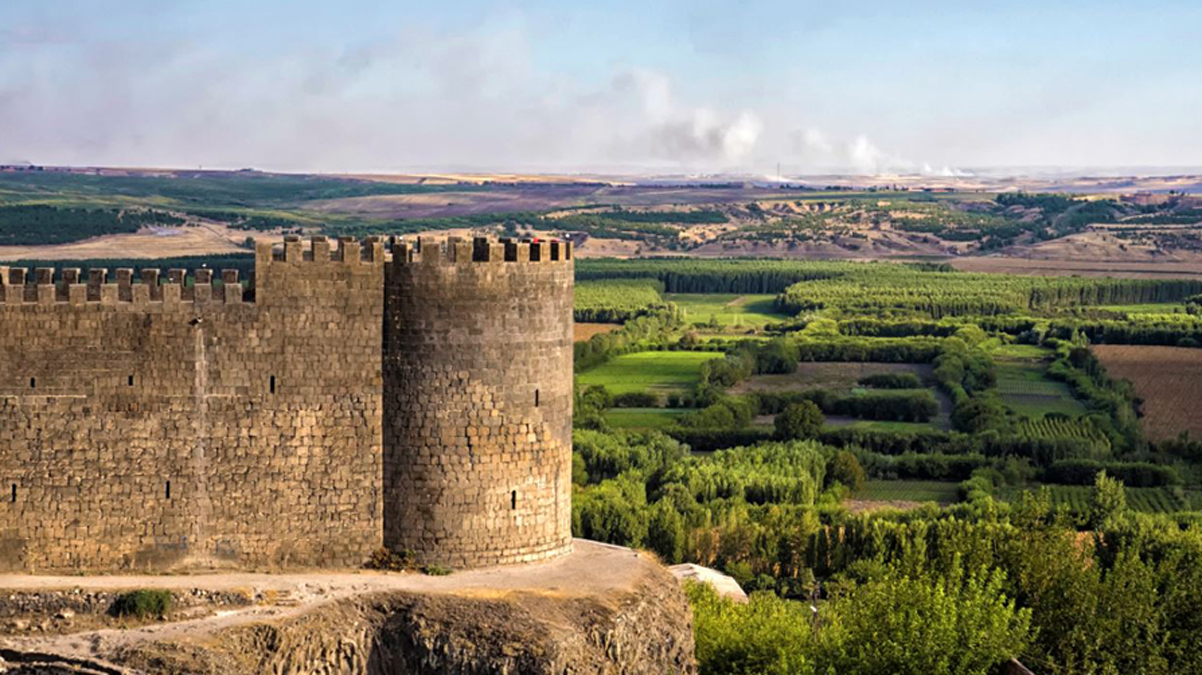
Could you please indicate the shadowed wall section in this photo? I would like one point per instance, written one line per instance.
(154, 423)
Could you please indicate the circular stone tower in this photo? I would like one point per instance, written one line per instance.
(478, 401)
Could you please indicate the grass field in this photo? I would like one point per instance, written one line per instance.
(643, 418)
(1149, 308)
(881, 425)
(1021, 352)
(648, 371)
(942, 492)
(750, 310)
(1025, 389)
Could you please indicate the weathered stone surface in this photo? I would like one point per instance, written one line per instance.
(165, 423)
(600, 609)
(478, 403)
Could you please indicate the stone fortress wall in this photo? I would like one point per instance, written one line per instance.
(478, 401)
(154, 423)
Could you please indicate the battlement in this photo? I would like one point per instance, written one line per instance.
(353, 383)
(349, 251)
(457, 250)
(18, 287)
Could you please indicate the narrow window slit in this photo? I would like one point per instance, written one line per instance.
(167, 492)
(33, 383)
(271, 384)
(131, 380)
(535, 398)
(14, 496)
(513, 500)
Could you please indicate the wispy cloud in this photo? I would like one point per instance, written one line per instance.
(423, 97)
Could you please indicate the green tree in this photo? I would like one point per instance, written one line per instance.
(1108, 504)
(666, 533)
(799, 421)
(765, 636)
(952, 624)
(845, 469)
(978, 414)
(579, 470)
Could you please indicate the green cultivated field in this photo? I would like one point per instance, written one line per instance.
(616, 300)
(882, 425)
(648, 371)
(1077, 498)
(942, 492)
(752, 309)
(1147, 308)
(1021, 352)
(643, 418)
(1025, 388)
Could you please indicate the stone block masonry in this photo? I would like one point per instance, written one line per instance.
(348, 401)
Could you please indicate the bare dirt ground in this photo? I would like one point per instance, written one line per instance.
(584, 331)
(591, 569)
(162, 242)
(1168, 379)
(868, 505)
(452, 204)
(1076, 266)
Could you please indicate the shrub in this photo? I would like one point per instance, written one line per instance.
(142, 603)
(919, 406)
(391, 561)
(844, 468)
(800, 420)
(892, 381)
(636, 399)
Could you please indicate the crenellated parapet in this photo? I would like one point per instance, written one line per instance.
(457, 250)
(413, 393)
(19, 288)
(319, 249)
(478, 400)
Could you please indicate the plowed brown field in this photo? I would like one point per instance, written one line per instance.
(1168, 379)
(584, 331)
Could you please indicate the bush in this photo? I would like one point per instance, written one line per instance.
(845, 469)
(892, 381)
(919, 406)
(391, 561)
(142, 603)
(1133, 474)
(636, 399)
(798, 421)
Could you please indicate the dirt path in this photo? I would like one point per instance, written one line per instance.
(590, 569)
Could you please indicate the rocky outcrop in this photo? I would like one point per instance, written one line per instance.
(602, 610)
(646, 631)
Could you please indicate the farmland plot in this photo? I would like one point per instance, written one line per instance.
(1025, 388)
(1168, 379)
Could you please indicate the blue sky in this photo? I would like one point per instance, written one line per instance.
(869, 87)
